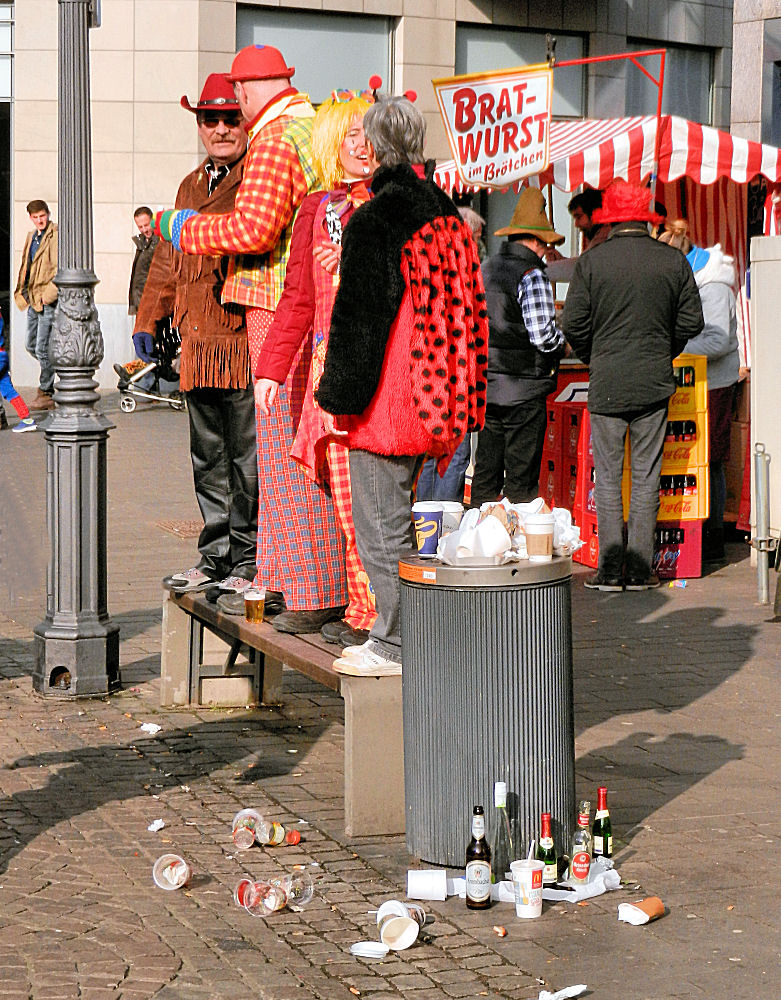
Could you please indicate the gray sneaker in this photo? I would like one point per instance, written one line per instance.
(188, 581)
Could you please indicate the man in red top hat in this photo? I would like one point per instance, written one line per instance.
(630, 308)
(300, 554)
(214, 373)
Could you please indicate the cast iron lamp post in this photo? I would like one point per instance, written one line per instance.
(77, 645)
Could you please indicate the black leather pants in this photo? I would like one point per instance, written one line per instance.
(223, 448)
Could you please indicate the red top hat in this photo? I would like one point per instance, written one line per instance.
(217, 95)
(259, 62)
(624, 202)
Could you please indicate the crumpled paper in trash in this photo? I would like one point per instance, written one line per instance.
(568, 991)
(488, 543)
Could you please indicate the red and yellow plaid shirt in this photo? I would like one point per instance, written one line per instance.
(278, 174)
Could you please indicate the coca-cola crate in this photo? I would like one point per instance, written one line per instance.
(691, 394)
(571, 424)
(550, 478)
(588, 553)
(686, 444)
(678, 549)
(553, 429)
(584, 496)
(682, 496)
(569, 485)
(585, 448)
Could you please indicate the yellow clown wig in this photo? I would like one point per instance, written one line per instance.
(332, 123)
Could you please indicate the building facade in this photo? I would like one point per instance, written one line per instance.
(147, 53)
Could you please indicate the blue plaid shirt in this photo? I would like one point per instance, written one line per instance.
(535, 297)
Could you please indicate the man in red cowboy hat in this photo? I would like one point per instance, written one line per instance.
(214, 373)
(524, 348)
(300, 552)
(630, 309)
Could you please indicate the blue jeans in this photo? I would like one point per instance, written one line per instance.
(646, 436)
(39, 328)
(432, 486)
(382, 495)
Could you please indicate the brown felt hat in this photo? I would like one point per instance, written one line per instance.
(529, 217)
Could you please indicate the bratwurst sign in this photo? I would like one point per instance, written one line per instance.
(498, 124)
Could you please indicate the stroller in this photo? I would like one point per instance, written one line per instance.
(166, 368)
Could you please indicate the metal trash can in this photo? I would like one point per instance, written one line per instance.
(487, 696)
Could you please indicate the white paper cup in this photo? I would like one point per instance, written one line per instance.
(424, 883)
(539, 537)
(171, 871)
(399, 923)
(527, 883)
(453, 511)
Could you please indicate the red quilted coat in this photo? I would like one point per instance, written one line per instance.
(405, 365)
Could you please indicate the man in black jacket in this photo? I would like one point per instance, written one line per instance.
(630, 308)
(145, 244)
(524, 347)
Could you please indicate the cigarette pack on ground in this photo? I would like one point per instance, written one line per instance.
(641, 912)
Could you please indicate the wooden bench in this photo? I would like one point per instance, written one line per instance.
(373, 746)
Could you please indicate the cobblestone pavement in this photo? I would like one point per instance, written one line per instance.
(676, 711)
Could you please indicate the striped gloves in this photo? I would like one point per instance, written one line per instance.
(168, 224)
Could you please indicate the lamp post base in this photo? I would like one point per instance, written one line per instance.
(76, 667)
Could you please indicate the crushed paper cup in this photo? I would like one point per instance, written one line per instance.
(482, 545)
(641, 912)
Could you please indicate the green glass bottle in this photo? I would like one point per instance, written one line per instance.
(502, 842)
(546, 852)
(602, 830)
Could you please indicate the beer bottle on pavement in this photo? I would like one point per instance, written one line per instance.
(602, 830)
(478, 865)
(580, 854)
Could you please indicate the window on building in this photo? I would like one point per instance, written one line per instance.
(6, 48)
(688, 82)
(480, 49)
(771, 82)
(328, 50)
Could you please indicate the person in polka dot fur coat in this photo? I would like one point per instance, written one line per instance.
(405, 370)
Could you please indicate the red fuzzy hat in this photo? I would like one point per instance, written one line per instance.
(259, 62)
(624, 202)
(217, 95)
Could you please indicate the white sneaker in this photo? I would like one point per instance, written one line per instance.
(233, 585)
(27, 424)
(366, 661)
(188, 580)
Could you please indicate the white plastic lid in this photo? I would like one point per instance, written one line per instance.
(500, 793)
(369, 949)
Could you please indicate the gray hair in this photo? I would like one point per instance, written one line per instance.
(396, 130)
(471, 218)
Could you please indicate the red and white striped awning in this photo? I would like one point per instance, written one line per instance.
(594, 151)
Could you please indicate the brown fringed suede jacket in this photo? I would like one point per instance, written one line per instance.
(187, 288)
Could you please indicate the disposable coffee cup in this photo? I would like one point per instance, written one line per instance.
(399, 923)
(539, 537)
(171, 871)
(527, 884)
(427, 517)
(254, 604)
(452, 512)
(427, 883)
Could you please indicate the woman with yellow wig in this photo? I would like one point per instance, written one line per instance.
(311, 281)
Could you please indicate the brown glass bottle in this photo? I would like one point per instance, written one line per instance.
(478, 864)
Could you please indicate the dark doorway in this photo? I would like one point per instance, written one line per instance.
(5, 211)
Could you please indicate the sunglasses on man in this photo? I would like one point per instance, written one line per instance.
(231, 119)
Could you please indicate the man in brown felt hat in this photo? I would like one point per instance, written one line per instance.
(524, 348)
(215, 370)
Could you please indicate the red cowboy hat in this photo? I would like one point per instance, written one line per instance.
(624, 202)
(259, 62)
(217, 95)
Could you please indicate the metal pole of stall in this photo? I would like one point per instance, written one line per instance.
(762, 541)
(77, 645)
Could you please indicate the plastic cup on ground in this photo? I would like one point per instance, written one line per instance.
(298, 888)
(539, 537)
(399, 923)
(261, 899)
(171, 871)
(427, 883)
(527, 883)
(240, 891)
(254, 604)
(427, 516)
(246, 823)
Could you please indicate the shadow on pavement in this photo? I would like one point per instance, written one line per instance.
(85, 779)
